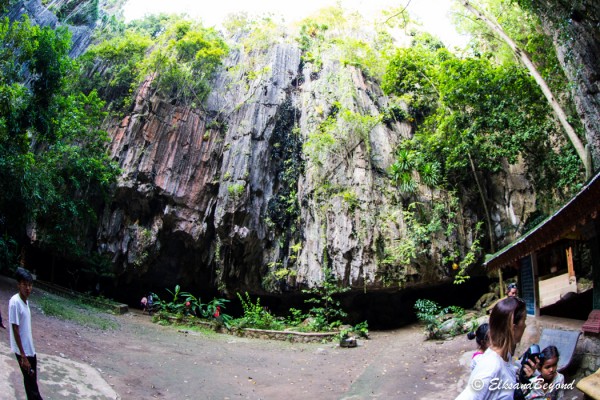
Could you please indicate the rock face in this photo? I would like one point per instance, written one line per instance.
(277, 179)
(575, 29)
(245, 194)
(81, 36)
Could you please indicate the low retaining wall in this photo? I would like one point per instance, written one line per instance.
(588, 355)
(289, 336)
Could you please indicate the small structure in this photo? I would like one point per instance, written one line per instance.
(561, 256)
(558, 262)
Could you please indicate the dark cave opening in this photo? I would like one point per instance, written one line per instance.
(383, 308)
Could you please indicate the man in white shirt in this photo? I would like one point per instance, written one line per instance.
(21, 339)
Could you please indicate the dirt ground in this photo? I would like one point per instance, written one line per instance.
(142, 360)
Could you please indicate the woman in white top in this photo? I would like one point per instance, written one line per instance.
(495, 375)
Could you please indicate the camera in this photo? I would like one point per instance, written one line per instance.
(531, 353)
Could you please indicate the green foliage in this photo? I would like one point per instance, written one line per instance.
(415, 251)
(311, 40)
(472, 116)
(321, 141)
(54, 168)
(471, 257)
(402, 172)
(8, 254)
(428, 311)
(256, 316)
(326, 311)
(335, 33)
(114, 67)
(186, 304)
(523, 27)
(361, 330)
(173, 306)
(283, 209)
(214, 309)
(185, 58)
(177, 55)
(433, 315)
(295, 318)
(236, 190)
(342, 130)
(349, 197)
(394, 113)
(367, 57)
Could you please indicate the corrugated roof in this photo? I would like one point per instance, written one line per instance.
(586, 204)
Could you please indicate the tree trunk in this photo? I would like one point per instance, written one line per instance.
(488, 219)
(575, 31)
(558, 111)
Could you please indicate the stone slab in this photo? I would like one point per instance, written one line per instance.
(564, 340)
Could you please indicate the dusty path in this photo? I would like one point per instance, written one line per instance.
(142, 360)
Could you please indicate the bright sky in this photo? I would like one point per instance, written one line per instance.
(432, 13)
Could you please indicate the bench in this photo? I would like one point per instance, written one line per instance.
(565, 341)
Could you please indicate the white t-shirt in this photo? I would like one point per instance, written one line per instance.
(19, 314)
(492, 379)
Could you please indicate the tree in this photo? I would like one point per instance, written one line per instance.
(114, 67)
(471, 116)
(54, 167)
(556, 107)
(185, 59)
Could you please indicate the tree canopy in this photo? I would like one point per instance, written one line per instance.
(54, 167)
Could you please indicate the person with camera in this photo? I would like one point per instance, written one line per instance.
(495, 375)
(548, 383)
(528, 363)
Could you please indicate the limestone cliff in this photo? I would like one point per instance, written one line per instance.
(232, 195)
(81, 35)
(281, 173)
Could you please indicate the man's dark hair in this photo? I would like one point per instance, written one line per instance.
(23, 275)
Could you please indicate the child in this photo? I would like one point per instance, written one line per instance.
(544, 385)
(481, 337)
(21, 339)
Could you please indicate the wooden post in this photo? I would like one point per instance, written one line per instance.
(501, 281)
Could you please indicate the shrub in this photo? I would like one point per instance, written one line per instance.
(327, 312)
(433, 316)
(256, 316)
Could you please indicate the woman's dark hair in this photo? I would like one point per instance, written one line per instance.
(505, 314)
(548, 353)
(481, 334)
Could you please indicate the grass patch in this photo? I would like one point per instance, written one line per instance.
(73, 310)
(196, 328)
